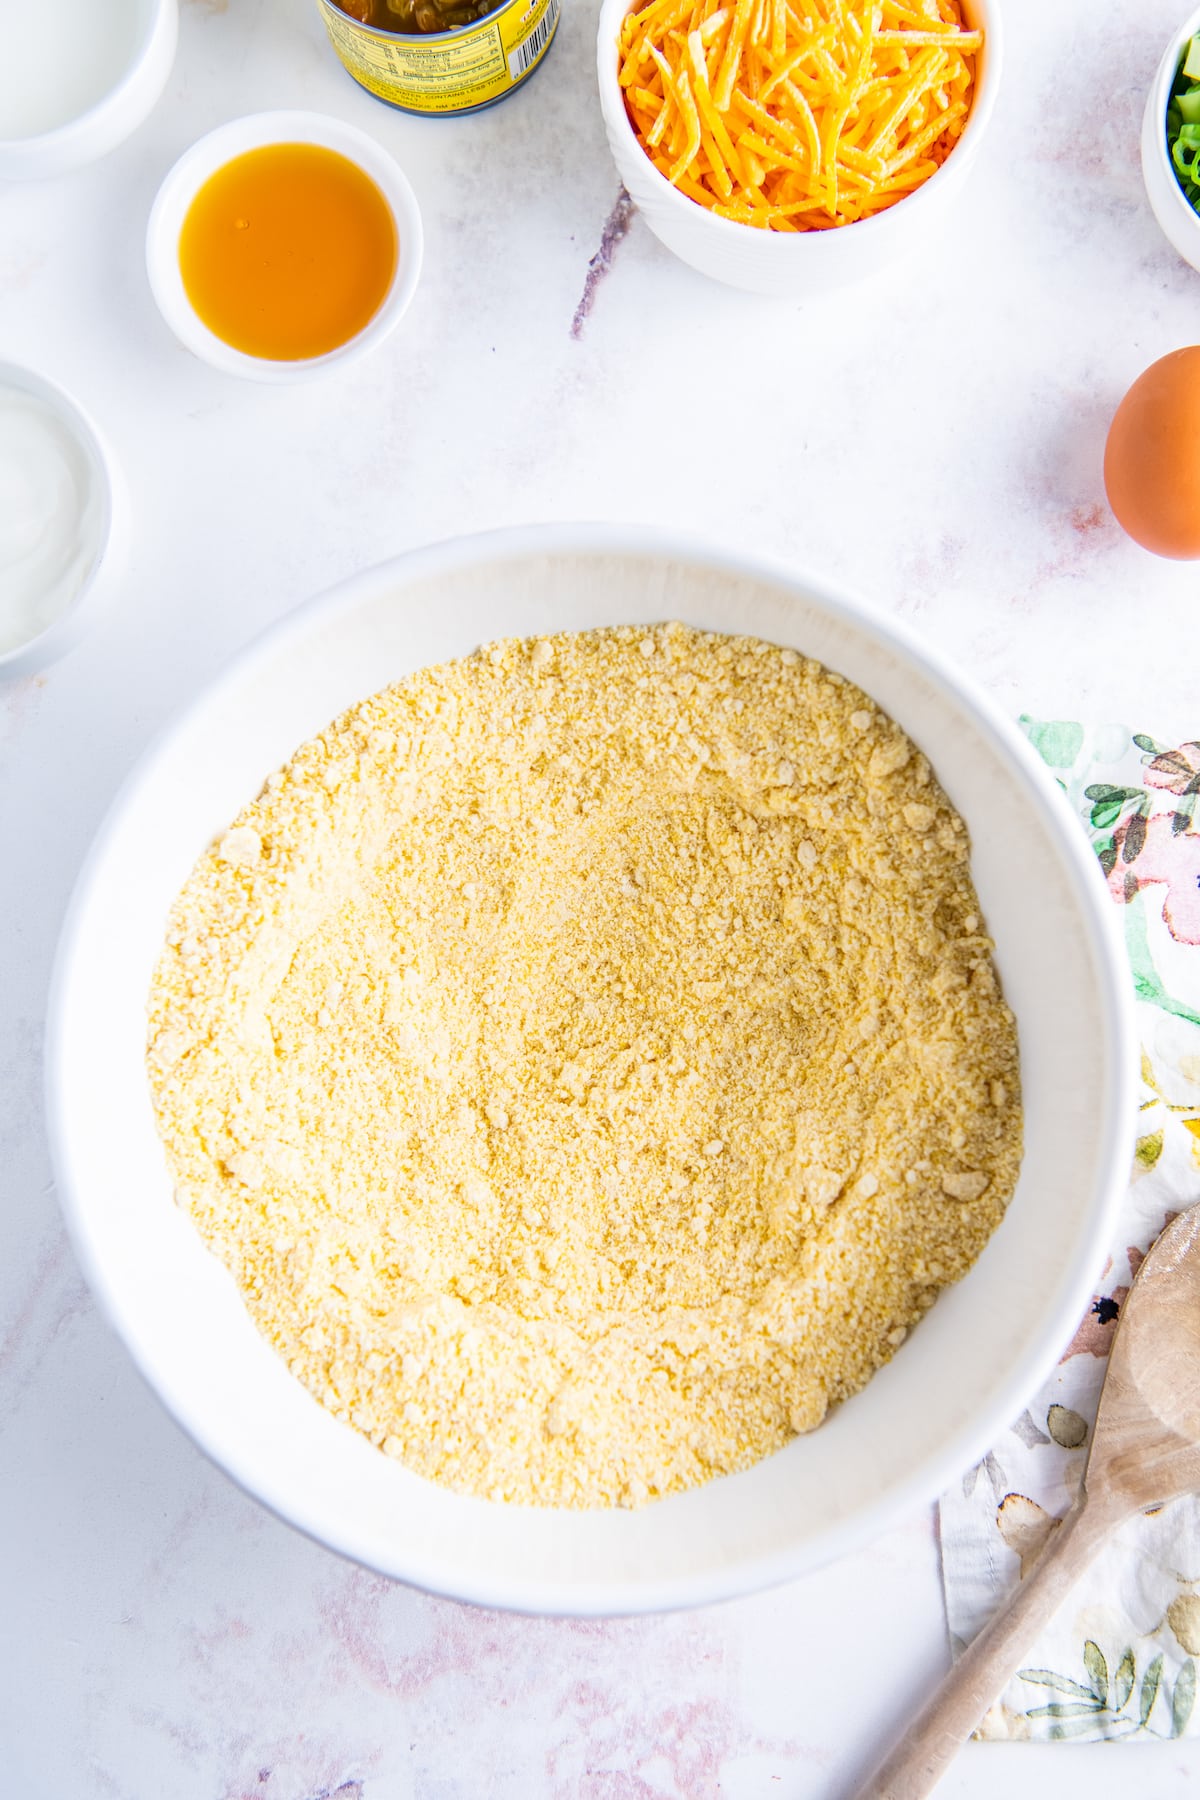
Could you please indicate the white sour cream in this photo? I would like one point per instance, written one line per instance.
(58, 58)
(51, 516)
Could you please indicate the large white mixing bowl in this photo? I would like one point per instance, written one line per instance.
(962, 1375)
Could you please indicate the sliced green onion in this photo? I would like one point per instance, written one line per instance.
(1183, 124)
(1185, 153)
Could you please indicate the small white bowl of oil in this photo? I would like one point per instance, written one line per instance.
(61, 521)
(77, 77)
(284, 245)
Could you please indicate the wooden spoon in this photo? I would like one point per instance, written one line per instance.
(1145, 1450)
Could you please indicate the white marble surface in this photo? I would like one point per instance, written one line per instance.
(934, 442)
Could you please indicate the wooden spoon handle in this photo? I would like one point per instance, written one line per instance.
(921, 1758)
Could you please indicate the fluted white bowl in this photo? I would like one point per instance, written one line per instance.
(793, 264)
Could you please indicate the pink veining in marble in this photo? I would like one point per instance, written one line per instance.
(626, 1709)
(19, 701)
(55, 1295)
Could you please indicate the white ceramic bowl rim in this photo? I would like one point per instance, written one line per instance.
(220, 146)
(1070, 1283)
(113, 101)
(795, 243)
(55, 637)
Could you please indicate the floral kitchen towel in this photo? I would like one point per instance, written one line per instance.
(1121, 1658)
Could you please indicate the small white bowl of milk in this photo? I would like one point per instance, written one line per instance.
(61, 521)
(76, 77)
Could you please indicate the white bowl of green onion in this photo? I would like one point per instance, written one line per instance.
(1171, 142)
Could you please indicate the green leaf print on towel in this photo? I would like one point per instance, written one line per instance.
(1163, 1707)
(1144, 835)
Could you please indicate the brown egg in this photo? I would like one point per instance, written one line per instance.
(1152, 458)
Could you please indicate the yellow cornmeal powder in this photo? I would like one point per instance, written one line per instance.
(588, 1060)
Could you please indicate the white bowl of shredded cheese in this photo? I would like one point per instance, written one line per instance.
(965, 1370)
(795, 264)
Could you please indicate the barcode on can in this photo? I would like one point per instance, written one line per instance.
(525, 55)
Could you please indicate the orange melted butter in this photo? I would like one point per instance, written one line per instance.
(288, 251)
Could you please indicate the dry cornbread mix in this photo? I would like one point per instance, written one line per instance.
(588, 1060)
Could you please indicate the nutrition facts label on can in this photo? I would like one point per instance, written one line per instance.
(448, 71)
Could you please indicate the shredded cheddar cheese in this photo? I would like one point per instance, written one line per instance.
(798, 115)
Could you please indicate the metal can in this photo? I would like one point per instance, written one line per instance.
(457, 71)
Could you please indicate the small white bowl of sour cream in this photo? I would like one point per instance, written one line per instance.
(77, 77)
(61, 521)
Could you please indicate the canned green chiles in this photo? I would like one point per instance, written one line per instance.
(440, 56)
